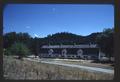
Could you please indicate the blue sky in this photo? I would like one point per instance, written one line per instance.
(43, 19)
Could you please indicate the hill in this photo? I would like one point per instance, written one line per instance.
(70, 38)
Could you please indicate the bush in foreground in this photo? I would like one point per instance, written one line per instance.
(18, 49)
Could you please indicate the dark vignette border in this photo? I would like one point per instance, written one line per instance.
(115, 3)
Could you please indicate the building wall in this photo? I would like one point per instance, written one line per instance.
(88, 53)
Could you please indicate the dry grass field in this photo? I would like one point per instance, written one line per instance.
(25, 69)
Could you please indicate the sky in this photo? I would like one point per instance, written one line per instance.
(40, 20)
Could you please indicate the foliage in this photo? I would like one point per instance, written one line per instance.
(18, 49)
(9, 39)
(105, 41)
(12, 37)
(7, 52)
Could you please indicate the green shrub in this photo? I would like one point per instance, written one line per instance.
(19, 49)
(7, 52)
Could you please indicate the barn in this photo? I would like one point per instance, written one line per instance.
(83, 51)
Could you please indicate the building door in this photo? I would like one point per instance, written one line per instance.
(50, 53)
(64, 53)
(80, 53)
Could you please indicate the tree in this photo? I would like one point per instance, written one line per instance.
(105, 41)
(36, 46)
(12, 37)
(9, 39)
(19, 49)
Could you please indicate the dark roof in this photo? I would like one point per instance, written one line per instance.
(71, 46)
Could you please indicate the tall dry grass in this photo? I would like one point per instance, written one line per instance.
(24, 69)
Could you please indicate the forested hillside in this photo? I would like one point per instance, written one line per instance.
(103, 39)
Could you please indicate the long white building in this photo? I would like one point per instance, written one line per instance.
(84, 51)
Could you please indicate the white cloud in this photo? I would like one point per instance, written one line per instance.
(36, 35)
(28, 27)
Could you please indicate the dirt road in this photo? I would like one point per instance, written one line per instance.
(93, 69)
